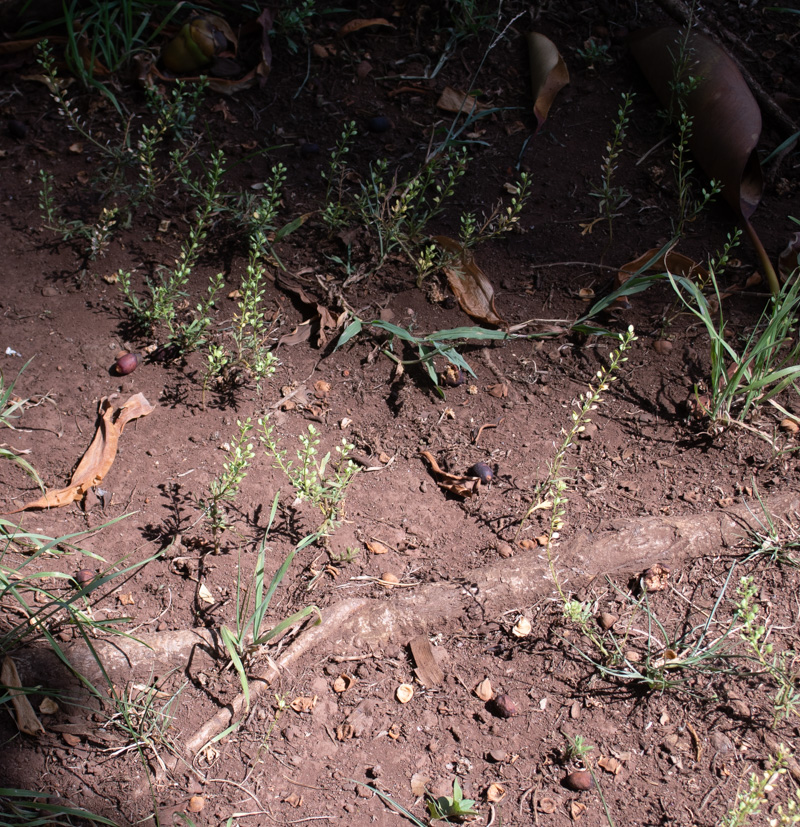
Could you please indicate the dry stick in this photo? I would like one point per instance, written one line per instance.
(678, 10)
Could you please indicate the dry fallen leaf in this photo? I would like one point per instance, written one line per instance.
(495, 792)
(549, 74)
(361, 23)
(610, 764)
(522, 628)
(454, 483)
(469, 283)
(304, 704)
(484, 690)
(27, 721)
(546, 805)
(99, 457)
(451, 100)
(343, 683)
(419, 784)
(205, 595)
(576, 809)
(48, 707)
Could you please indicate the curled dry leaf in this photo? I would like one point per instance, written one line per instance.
(205, 595)
(343, 683)
(522, 628)
(484, 690)
(404, 693)
(610, 764)
(676, 263)
(789, 259)
(27, 721)
(546, 805)
(495, 792)
(100, 455)
(576, 809)
(419, 784)
(469, 283)
(726, 120)
(458, 484)
(549, 74)
(362, 23)
(304, 704)
(451, 100)
(655, 578)
(48, 707)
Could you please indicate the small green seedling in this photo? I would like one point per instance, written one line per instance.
(455, 807)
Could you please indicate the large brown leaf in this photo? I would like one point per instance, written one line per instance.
(99, 457)
(469, 283)
(549, 74)
(726, 119)
(27, 720)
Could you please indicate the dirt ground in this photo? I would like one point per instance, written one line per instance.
(417, 586)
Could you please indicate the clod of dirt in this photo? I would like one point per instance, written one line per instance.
(606, 620)
(579, 781)
(496, 756)
(484, 690)
(503, 706)
(662, 347)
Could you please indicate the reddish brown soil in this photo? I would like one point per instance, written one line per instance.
(683, 752)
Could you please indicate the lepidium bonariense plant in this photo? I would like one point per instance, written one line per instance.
(321, 482)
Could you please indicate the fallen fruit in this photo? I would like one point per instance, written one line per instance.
(126, 363)
(579, 781)
(606, 620)
(404, 693)
(84, 577)
(481, 470)
(503, 706)
(389, 580)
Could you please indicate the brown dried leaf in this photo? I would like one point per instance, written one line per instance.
(99, 457)
(676, 263)
(451, 100)
(495, 792)
(27, 721)
(546, 805)
(726, 120)
(304, 704)
(419, 784)
(610, 764)
(471, 287)
(376, 548)
(484, 690)
(456, 484)
(576, 809)
(549, 74)
(789, 259)
(499, 391)
(362, 23)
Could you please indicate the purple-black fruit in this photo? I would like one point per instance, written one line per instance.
(380, 123)
(481, 470)
(126, 363)
(503, 706)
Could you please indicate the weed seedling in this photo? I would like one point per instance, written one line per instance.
(752, 797)
(224, 488)
(321, 482)
(451, 807)
(249, 635)
(577, 749)
(609, 197)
